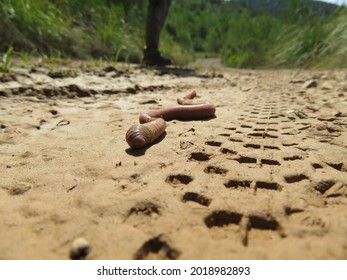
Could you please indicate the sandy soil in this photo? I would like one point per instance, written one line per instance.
(265, 179)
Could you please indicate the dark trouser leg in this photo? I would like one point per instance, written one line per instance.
(157, 12)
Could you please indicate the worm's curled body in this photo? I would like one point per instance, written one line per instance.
(186, 112)
(141, 135)
(152, 123)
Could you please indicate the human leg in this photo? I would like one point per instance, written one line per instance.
(157, 12)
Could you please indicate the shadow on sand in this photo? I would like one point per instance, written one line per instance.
(141, 152)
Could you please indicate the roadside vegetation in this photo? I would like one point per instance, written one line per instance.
(105, 30)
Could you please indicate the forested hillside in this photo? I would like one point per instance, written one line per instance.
(297, 33)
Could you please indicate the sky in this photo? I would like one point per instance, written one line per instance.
(336, 1)
(339, 2)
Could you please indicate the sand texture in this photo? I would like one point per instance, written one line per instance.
(265, 179)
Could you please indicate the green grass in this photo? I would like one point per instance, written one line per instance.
(333, 53)
(80, 29)
(313, 45)
(6, 60)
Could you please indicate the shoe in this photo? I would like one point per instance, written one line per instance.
(155, 59)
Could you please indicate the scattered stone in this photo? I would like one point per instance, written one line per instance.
(310, 84)
(340, 114)
(327, 86)
(291, 114)
(80, 248)
(19, 189)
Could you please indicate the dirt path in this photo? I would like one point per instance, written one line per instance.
(265, 179)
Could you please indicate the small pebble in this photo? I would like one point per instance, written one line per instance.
(327, 86)
(80, 248)
(310, 84)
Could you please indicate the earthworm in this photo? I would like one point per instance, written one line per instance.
(152, 123)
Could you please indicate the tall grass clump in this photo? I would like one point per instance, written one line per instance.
(79, 28)
(333, 53)
(29, 24)
(6, 60)
(111, 30)
(298, 36)
(297, 46)
(314, 43)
